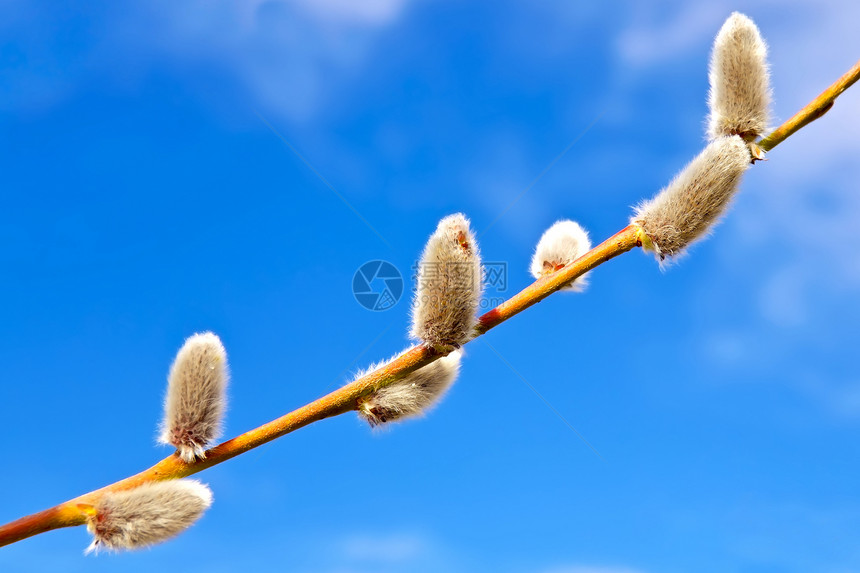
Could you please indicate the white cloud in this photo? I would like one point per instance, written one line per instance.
(593, 569)
(794, 222)
(728, 348)
(647, 43)
(502, 177)
(394, 548)
(376, 12)
(834, 392)
(802, 64)
(290, 57)
(815, 166)
(839, 397)
(790, 536)
(782, 297)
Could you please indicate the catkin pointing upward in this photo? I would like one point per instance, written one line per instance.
(196, 396)
(740, 94)
(450, 282)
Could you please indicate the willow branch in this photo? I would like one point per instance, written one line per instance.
(813, 110)
(347, 398)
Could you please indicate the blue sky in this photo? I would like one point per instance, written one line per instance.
(145, 198)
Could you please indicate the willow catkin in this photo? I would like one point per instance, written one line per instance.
(450, 283)
(413, 395)
(694, 200)
(196, 396)
(739, 98)
(148, 514)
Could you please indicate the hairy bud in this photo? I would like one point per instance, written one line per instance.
(450, 281)
(413, 395)
(692, 203)
(148, 514)
(559, 246)
(196, 396)
(740, 84)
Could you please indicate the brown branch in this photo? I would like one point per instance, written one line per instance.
(338, 402)
(813, 110)
(347, 397)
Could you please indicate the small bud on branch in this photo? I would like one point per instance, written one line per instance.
(559, 246)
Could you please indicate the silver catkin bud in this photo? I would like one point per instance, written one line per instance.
(196, 396)
(450, 282)
(413, 395)
(740, 94)
(148, 514)
(693, 202)
(559, 246)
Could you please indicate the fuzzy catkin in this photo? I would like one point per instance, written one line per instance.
(450, 282)
(413, 395)
(559, 246)
(196, 396)
(148, 514)
(692, 203)
(739, 98)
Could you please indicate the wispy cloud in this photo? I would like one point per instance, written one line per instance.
(593, 569)
(791, 536)
(794, 222)
(374, 12)
(384, 548)
(656, 38)
(839, 396)
(289, 57)
(804, 199)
